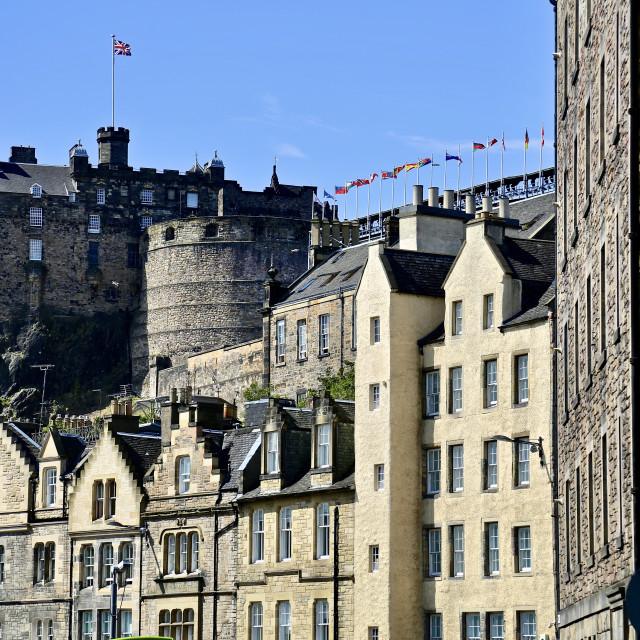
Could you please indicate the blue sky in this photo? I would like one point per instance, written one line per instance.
(336, 90)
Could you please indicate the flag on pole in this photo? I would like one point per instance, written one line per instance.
(503, 147)
(360, 182)
(494, 141)
(413, 165)
(526, 138)
(450, 157)
(422, 163)
(372, 177)
(478, 145)
(351, 183)
(121, 48)
(542, 143)
(327, 195)
(340, 190)
(435, 164)
(397, 170)
(316, 199)
(388, 174)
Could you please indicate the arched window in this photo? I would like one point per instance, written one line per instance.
(181, 552)
(38, 630)
(195, 551)
(184, 474)
(98, 501)
(164, 629)
(211, 230)
(111, 496)
(50, 635)
(88, 560)
(107, 563)
(284, 621)
(171, 553)
(126, 555)
(170, 233)
(184, 553)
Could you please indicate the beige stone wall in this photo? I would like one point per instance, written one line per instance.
(475, 274)
(304, 579)
(390, 597)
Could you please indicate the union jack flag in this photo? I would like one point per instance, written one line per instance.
(121, 48)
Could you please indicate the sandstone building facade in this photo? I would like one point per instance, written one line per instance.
(597, 312)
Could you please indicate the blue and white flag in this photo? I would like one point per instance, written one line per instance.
(328, 195)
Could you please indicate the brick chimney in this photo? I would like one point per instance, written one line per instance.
(26, 155)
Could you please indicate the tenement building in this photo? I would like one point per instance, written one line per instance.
(597, 313)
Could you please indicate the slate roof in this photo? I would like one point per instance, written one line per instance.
(142, 451)
(417, 273)
(74, 447)
(26, 444)
(536, 309)
(19, 177)
(530, 259)
(255, 410)
(529, 210)
(345, 410)
(298, 418)
(341, 270)
(437, 335)
(303, 486)
(236, 446)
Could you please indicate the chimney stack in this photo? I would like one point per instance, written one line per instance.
(470, 204)
(447, 199)
(487, 205)
(433, 197)
(418, 194)
(25, 155)
(503, 207)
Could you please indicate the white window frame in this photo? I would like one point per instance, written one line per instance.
(86, 618)
(323, 523)
(184, 474)
(146, 221)
(171, 553)
(105, 624)
(524, 549)
(127, 555)
(285, 533)
(107, 560)
(35, 249)
(496, 626)
(324, 445)
(50, 630)
(183, 550)
(194, 541)
(522, 368)
(491, 380)
(101, 196)
(456, 390)
(375, 397)
(435, 626)
(492, 464)
(126, 623)
(94, 224)
(39, 630)
(457, 538)
(257, 620)
(322, 620)
(51, 479)
(280, 341)
(146, 196)
(457, 468)
(192, 200)
(493, 544)
(488, 311)
(374, 558)
(379, 476)
(524, 463)
(435, 552)
(35, 217)
(284, 620)
(257, 548)
(473, 630)
(432, 383)
(111, 498)
(302, 339)
(272, 452)
(36, 191)
(375, 330)
(323, 326)
(434, 469)
(457, 318)
(88, 565)
(527, 625)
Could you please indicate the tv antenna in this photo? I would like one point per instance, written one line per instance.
(44, 368)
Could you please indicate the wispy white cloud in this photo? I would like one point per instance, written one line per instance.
(286, 149)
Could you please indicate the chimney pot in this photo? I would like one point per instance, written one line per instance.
(470, 204)
(433, 197)
(447, 199)
(503, 207)
(418, 194)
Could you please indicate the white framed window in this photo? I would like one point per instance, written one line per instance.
(378, 471)
(374, 633)
(527, 625)
(192, 200)
(184, 474)
(522, 364)
(323, 322)
(107, 563)
(324, 458)
(86, 625)
(457, 533)
(105, 625)
(127, 556)
(456, 389)
(435, 626)
(72, 196)
(457, 468)
(493, 549)
(302, 339)
(98, 500)
(496, 626)
(492, 464)
(194, 539)
(51, 479)
(322, 620)
(472, 625)
(280, 341)
(285, 533)
(256, 621)
(146, 196)
(435, 552)
(524, 549)
(457, 318)
(258, 536)
(36, 191)
(171, 553)
(35, 249)
(184, 552)
(39, 630)
(35, 217)
(488, 311)
(112, 498)
(322, 534)
(40, 563)
(100, 196)
(145, 221)
(88, 560)
(491, 377)
(374, 395)
(375, 330)
(523, 463)
(433, 393)
(374, 558)
(50, 552)
(284, 620)
(50, 634)
(126, 624)
(433, 470)
(94, 224)
(272, 452)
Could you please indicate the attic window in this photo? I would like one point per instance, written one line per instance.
(330, 278)
(36, 191)
(340, 255)
(350, 273)
(304, 286)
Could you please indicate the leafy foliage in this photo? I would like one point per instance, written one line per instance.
(254, 392)
(342, 384)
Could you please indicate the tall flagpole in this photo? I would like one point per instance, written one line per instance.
(418, 172)
(113, 67)
(357, 187)
(486, 177)
(431, 185)
(380, 202)
(502, 167)
(541, 145)
(368, 201)
(405, 184)
(524, 173)
(393, 187)
(346, 190)
(445, 169)
(458, 188)
(473, 158)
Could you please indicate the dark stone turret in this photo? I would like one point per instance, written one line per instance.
(113, 147)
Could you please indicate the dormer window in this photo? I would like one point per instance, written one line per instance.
(51, 485)
(272, 452)
(36, 191)
(184, 474)
(323, 445)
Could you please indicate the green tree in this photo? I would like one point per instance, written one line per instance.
(254, 392)
(340, 385)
